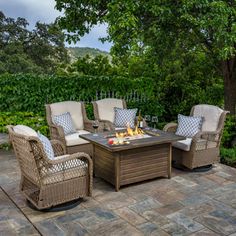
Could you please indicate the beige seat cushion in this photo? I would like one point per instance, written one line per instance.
(74, 108)
(106, 108)
(211, 116)
(74, 139)
(61, 172)
(183, 144)
(25, 130)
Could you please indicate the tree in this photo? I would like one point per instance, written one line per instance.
(87, 65)
(21, 50)
(159, 26)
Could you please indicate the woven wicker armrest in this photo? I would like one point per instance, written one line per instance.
(58, 147)
(208, 135)
(57, 132)
(88, 125)
(170, 127)
(67, 158)
(107, 125)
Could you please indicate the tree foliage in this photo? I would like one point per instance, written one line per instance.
(22, 50)
(87, 65)
(160, 28)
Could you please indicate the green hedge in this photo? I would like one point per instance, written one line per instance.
(36, 121)
(32, 92)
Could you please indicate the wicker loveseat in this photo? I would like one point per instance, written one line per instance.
(104, 111)
(82, 124)
(47, 183)
(203, 148)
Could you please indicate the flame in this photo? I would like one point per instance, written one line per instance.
(130, 132)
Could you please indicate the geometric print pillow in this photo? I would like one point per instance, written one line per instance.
(65, 121)
(46, 146)
(124, 117)
(188, 126)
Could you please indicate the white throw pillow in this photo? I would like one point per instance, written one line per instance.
(188, 126)
(25, 130)
(124, 117)
(66, 122)
(47, 146)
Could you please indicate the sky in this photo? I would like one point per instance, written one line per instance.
(43, 11)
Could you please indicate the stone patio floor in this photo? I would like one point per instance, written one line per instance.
(187, 204)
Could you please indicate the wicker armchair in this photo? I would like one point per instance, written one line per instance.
(203, 148)
(44, 182)
(83, 125)
(104, 111)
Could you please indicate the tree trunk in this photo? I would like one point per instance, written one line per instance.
(229, 74)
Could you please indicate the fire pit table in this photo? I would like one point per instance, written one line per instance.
(135, 159)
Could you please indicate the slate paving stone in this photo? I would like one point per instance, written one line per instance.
(217, 205)
(3, 138)
(190, 203)
(194, 211)
(103, 213)
(115, 200)
(224, 215)
(216, 178)
(217, 224)
(49, 227)
(222, 190)
(145, 205)
(74, 229)
(12, 221)
(116, 228)
(175, 229)
(184, 181)
(130, 216)
(195, 199)
(170, 208)
(169, 197)
(87, 202)
(223, 174)
(27, 230)
(84, 214)
(89, 217)
(186, 222)
(204, 184)
(7, 231)
(228, 198)
(151, 229)
(204, 232)
(153, 216)
(37, 216)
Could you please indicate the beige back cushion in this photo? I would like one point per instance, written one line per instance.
(106, 108)
(25, 130)
(74, 108)
(211, 116)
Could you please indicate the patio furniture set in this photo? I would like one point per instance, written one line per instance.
(61, 170)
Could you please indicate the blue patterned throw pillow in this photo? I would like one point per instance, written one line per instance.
(46, 146)
(188, 126)
(124, 117)
(66, 122)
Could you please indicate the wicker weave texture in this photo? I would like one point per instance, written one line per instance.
(105, 124)
(204, 148)
(56, 132)
(46, 183)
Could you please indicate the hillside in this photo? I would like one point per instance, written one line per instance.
(81, 52)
